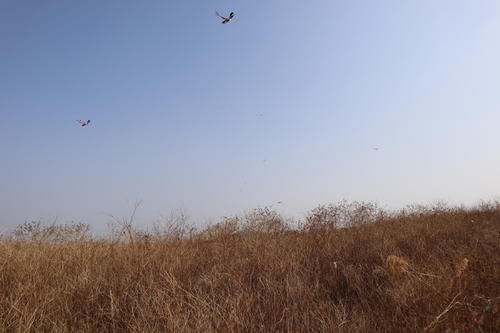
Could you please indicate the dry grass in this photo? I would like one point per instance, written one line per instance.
(426, 268)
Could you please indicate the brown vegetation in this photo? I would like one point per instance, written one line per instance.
(348, 267)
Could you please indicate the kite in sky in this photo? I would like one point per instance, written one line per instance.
(84, 123)
(225, 19)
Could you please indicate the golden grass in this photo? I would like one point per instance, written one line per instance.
(461, 266)
(427, 268)
(396, 264)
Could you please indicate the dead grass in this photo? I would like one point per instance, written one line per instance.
(424, 268)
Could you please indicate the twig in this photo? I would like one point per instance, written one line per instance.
(438, 317)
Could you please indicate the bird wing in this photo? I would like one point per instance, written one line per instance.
(219, 15)
(82, 122)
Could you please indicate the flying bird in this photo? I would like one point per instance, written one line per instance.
(225, 19)
(84, 123)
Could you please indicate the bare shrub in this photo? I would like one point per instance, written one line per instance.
(343, 214)
(228, 226)
(263, 220)
(38, 231)
(124, 227)
(174, 226)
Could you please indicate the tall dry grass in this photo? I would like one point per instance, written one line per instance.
(349, 267)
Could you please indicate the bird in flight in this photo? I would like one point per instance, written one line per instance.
(225, 19)
(84, 123)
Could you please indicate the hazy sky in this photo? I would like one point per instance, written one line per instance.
(285, 103)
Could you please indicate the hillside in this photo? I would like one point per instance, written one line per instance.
(348, 267)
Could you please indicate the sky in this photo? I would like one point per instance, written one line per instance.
(285, 103)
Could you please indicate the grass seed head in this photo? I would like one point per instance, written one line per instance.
(461, 266)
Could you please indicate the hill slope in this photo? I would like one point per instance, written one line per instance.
(427, 269)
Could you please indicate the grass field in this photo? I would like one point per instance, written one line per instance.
(349, 267)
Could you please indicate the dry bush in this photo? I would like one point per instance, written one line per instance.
(173, 227)
(434, 269)
(343, 214)
(38, 231)
(263, 220)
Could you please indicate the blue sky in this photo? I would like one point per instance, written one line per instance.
(285, 103)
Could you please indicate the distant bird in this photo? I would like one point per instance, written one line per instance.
(225, 19)
(84, 123)
(375, 148)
